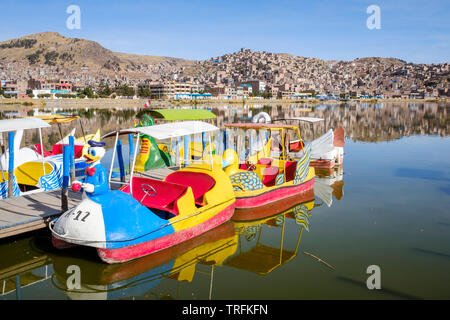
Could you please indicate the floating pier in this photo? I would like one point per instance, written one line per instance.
(31, 212)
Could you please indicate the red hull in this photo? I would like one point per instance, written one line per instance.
(61, 244)
(273, 208)
(142, 249)
(273, 196)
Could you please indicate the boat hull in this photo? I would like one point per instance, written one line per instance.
(273, 208)
(127, 253)
(273, 195)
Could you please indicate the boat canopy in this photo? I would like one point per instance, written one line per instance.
(22, 124)
(57, 118)
(307, 119)
(169, 130)
(182, 114)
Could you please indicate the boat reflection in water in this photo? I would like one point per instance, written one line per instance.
(329, 183)
(140, 277)
(255, 256)
(249, 224)
(24, 268)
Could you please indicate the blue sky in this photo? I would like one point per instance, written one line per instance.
(415, 31)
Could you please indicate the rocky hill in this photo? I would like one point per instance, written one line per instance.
(50, 51)
(52, 55)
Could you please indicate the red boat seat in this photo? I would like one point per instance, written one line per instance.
(199, 182)
(289, 170)
(166, 194)
(265, 161)
(58, 149)
(296, 146)
(270, 176)
(37, 148)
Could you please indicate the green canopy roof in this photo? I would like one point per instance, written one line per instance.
(182, 114)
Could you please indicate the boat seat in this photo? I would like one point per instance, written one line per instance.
(296, 146)
(270, 176)
(289, 170)
(199, 182)
(166, 194)
(58, 149)
(265, 161)
(37, 148)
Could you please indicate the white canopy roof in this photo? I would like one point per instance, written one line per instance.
(22, 124)
(170, 130)
(307, 119)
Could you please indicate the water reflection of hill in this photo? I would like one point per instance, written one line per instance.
(362, 122)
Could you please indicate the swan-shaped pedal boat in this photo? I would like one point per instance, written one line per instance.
(145, 215)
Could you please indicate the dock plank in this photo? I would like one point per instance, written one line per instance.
(31, 212)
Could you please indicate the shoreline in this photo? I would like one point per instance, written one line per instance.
(11, 104)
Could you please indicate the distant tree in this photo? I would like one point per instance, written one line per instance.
(267, 95)
(104, 90)
(125, 91)
(88, 92)
(144, 92)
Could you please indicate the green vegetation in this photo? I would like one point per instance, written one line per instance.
(86, 92)
(50, 58)
(34, 57)
(19, 43)
(104, 91)
(144, 92)
(125, 91)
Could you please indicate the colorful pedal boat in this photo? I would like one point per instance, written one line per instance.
(270, 179)
(121, 227)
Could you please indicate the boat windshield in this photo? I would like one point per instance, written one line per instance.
(252, 143)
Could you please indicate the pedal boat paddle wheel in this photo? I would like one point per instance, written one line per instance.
(259, 166)
(146, 215)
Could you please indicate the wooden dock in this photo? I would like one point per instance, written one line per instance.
(31, 212)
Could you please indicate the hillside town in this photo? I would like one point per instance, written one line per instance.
(245, 74)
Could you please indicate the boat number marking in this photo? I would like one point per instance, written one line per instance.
(78, 214)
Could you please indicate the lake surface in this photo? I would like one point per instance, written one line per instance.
(389, 208)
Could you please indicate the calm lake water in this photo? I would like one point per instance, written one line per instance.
(389, 208)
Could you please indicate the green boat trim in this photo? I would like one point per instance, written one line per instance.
(181, 114)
